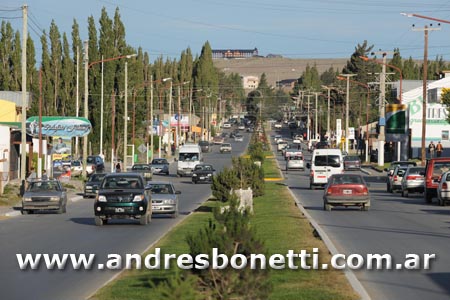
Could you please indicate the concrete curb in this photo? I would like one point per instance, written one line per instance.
(351, 277)
(13, 213)
(365, 171)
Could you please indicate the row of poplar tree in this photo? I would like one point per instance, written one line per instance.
(58, 72)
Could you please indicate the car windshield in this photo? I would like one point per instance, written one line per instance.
(76, 163)
(41, 186)
(90, 160)
(401, 172)
(203, 143)
(226, 145)
(160, 188)
(115, 182)
(188, 157)
(327, 160)
(203, 167)
(159, 161)
(97, 177)
(295, 158)
(347, 179)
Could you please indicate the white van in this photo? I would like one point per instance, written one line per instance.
(324, 163)
(189, 156)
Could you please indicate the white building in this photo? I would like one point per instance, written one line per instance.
(437, 127)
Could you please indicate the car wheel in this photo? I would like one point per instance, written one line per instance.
(327, 207)
(365, 207)
(144, 219)
(428, 197)
(194, 182)
(25, 212)
(98, 221)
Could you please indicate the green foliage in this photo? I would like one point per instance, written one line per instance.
(256, 151)
(223, 183)
(179, 286)
(231, 234)
(445, 98)
(249, 175)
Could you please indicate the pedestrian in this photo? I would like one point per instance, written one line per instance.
(431, 149)
(44, 175)
(32, 174)
(439, 149)
(118, 167)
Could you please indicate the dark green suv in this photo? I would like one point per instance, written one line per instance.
(123, 196)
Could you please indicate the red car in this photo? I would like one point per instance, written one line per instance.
(346, 190)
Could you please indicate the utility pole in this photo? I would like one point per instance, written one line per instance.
(23, 150)
(316, 128)
(424, 90)
(328, 111)
(113, 125)
(179, 117)
(86, 95)
(308, 125)
(169, 153)
(347, 110)
(77, 108)
(151, 119)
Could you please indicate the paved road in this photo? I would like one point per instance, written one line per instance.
(394, 225)
(75, 232)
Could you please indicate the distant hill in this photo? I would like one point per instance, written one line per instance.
(277, 68)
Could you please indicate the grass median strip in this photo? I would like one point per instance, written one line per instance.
(278, 223)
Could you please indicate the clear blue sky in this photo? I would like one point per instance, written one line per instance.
(292, 28)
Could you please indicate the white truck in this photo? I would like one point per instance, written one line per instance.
(189, 156)
(324, 163)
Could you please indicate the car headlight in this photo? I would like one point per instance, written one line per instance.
(209, 175)
(101, 198)
(194, 175)
(169, 201)
(138, 198)
(54, 198)
(88, 187)
(27, 199)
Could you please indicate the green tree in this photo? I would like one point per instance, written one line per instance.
(67, 86)
(47, 89)
(445, 99)
(358, 66)
(55, 65)
(6, 48)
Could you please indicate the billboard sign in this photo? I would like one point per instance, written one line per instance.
(59, 126)
(397, 122)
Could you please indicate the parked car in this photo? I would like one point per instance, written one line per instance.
(92, 183)
(276, 138)
(144, 169)
(225, 148)
(76, 168)
(413, 181)
(346, 190)
(238, 138)
(298, 139)
(160, 166)
(203, 173)
(94, 163)
(226, 125)
(395, 182)
(164, 198)
(295, 162)
(278, 125)
(241, 127)
(205, 146)
(443, 190)
(352, 162)
(123, 196)
(434, 169)
(44, 195)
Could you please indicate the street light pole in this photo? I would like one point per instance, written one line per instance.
(170, 118)
(86, 95)
(125, 123)
(101, 113)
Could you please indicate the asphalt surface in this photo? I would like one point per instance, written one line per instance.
(75, 232)
(394, 225)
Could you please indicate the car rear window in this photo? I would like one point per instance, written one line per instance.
(327, 160)
(415, 170)
(440, 167)
(347, 179)
(351, 158)
(122, 183)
